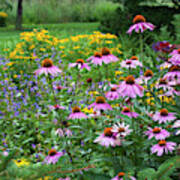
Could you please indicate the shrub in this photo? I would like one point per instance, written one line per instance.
(158, 15)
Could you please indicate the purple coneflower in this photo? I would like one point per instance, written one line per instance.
(121, 129)
(53, 156)
(147, 76)
(48, 68)
(108, 138)
(140, 25)
(107, 57)
(80, 64)
(112, 94)
(131, 63)
(127, 111)
(63, 132)
(175, 59)
(165, 65)
(174, 73)
(121, 175)
(162, 147)
(177, 125)
(77, 114)
(163, 116)
(56, 107)
(163, 83)
(100, 104)
(130, 88)
(96, 59)
(158, 133)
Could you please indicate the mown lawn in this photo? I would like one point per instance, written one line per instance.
(9, 37)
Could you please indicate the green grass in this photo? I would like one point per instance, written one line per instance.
(9, 37)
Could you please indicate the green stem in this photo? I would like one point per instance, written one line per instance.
(51, 86)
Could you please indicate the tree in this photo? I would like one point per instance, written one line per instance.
(19, 15)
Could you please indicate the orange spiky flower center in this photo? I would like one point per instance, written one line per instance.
(130, 80)
(178, 51)
(76, 109)
(105, 51)
(174, 68)
(121, 174)
(164, 112)
(162, 142)
(148, 73)
(97, 54)
(126, 109)
(52, 152)
(108, 131)
(47, 63)
(134, 58)
(121, 129)
(162, 81)
(139, 18)
(113, 89)
(156, 130)
(80, 61)
(100, 100)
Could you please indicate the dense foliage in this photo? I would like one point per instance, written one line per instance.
(91, 106)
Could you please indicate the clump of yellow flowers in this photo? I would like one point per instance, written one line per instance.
(36, 43)
(3, 15)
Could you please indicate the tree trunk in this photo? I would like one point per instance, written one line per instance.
(19, 15)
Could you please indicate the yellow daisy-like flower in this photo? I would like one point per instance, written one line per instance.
(89, 111)
(10, 63)
(3, 14)
(45, 178)
(150, 101)
(21, 162)
(148, 94)
(15, 76)
(118, 73)
(93, 93)
(114, 105)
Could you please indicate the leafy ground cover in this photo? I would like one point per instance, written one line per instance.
(89, 105)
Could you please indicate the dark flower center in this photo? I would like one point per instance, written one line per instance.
(113, 89)
(139, 18)
(47, 63)
(80, 61)
(108, 131)
(100, 100)
(126, 110)
(128, 62)
(134, 58)
(156, 130)
(105, 51)
(65, 123)
(76, 109)
(97, 54)
(18, 160)
(174, 68)
(178, 51)
(121, 174)
(120, 130)
(162, 142)
(148, 73)
(162, 82)
(52, 152)
(130, 80)
(164, 112)
(89, 80)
